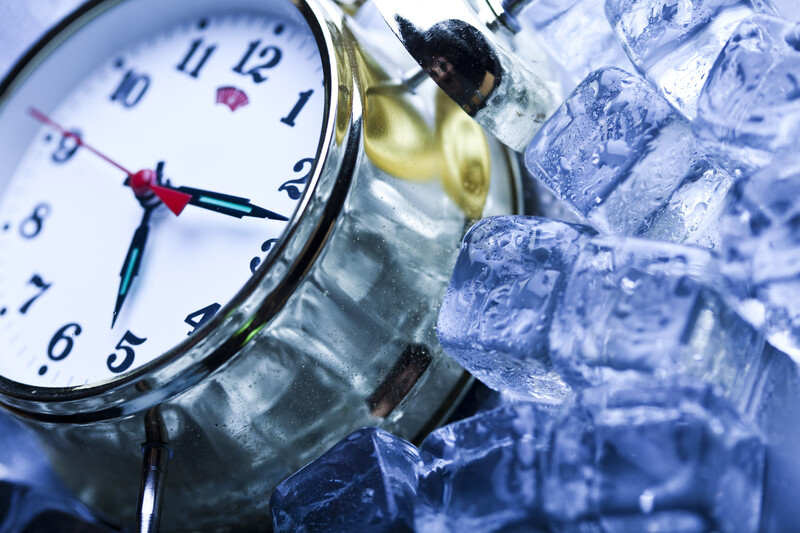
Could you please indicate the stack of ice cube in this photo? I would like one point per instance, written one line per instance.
(631, 347)
(675, 42)
(648, 456)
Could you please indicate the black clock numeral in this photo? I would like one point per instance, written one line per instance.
(272, 54)
(291, 187)
(194, 73)
(301, 103)
(127, 362)
(63, 341)
(198, 318)
(266, 247)
(67, 147)
(40, 284)
(131, 89)
(32, 226)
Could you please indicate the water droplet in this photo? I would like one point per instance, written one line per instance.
(647, 502)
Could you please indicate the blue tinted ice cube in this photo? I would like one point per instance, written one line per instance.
(367, 482)
(619, 155)
(576, 34)
(631, 304)
(749, 110)
(24, 509)
(482, 473)
(528, 294)
(658, 456)
(761, 245)
(497, 309)
(675, 42)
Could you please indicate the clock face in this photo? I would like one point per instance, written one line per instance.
(217, 116)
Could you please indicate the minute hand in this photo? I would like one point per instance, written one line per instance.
(234, 206)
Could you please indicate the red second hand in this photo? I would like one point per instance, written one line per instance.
(140, 182)
(44, 119)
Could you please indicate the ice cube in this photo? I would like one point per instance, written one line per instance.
(482, 473)
(619, 155)
(658, 456)
(632, 304)
(497, 310)
(692, 215)
(367, 482)
(775, 409)
(675, 42)
(761, 245)
(576, 34)
(749, 110)
(529, 295)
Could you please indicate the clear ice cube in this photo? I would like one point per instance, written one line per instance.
(530, 295)
(496, 313)
(576, 34)
(674, 43)
(761, 246)
(692, 215)
(367, 482)
(482, 473)
(655, 456)
(637, 305)
(624, 160)
(749, 110)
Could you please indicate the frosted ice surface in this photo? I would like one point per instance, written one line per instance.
(675, 42)
(496, 313)
(367, 482)
(659, 456)
(624, 160)
(482, 473)
(761, 246)
(749, 110)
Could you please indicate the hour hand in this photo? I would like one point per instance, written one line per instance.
(133, 260)
(226, 204)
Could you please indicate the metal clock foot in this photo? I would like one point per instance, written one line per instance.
(151, 494)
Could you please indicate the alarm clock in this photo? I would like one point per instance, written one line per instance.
(225, 231)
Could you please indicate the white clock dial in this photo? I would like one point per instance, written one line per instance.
(230, 109)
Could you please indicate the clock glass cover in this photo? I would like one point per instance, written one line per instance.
(139, 115)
